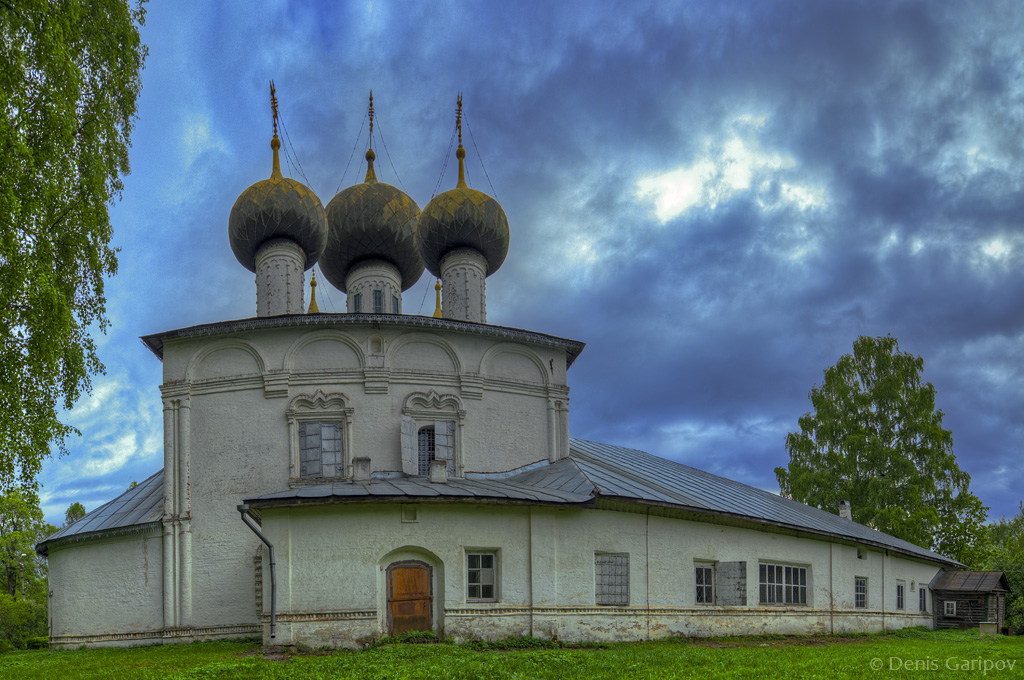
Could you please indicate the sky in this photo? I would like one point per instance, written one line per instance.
(717, 197)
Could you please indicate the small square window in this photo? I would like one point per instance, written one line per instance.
(611, 579)
(481, 568)
(704, 577)
(409, 513)
(949, 607)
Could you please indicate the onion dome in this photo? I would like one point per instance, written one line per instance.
(371, 221)
(277, 208)
(462, 218)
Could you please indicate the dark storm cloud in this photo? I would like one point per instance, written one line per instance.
(859, 163)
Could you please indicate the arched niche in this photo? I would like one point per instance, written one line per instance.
(324, 350)
(225, 359)
(422, 352)
(514, 362)
(411, 555)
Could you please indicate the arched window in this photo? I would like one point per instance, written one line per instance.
(430, 425)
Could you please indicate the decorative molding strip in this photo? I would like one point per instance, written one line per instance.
(344, 615)
(160, 634)
(572, 348)
(148, 529)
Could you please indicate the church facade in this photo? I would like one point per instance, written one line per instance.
(332, 478)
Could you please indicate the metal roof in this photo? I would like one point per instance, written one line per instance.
(142, 504)
(572, 348)
(510, 489)
(638, 476)
(970, 581)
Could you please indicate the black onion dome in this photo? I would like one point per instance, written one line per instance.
(371, 221)
(279, 207)
(463, 218)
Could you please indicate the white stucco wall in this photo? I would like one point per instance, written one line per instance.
(106, 591)
(332, 561)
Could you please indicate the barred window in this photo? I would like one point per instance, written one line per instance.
(900, 600)
(480, 576)
(320, 453)
(860, 592)
(426, 447)
(783, 584)
(611, 579)
(378, 302)
(705, 580)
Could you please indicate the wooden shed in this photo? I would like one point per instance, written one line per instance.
(964, 599)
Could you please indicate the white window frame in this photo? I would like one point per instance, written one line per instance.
(704, 592)
(319, 407)
(860, 592)
(484, 576)
(922, 599)
(778, 584)
(443, 412)
(949, 608)
(613, 567)
(901, 594)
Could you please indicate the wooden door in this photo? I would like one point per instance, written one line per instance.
(410, 600)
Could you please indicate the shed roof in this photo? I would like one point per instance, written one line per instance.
(141, 504)
(970, 581)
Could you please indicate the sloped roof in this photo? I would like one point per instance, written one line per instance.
(142, 504)
(635, 475)
(970, 581)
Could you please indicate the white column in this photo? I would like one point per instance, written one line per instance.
(279, 278)
(464, 276)
(368, 277)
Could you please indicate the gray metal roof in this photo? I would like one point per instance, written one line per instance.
(970, 581)
(142, 504)
(510, 489)
(636, 475)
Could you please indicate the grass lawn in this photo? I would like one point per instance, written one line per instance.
(903, 654)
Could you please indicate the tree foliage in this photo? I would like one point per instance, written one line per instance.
(876, 439)
(1006, 538)
(69, 80)
(23, 572)
(75, 512)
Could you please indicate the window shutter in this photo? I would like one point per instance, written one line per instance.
(410, 460)
(732, 583)
(444, 443)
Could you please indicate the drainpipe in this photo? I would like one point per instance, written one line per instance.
(243, 510)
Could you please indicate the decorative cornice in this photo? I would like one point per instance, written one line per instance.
(148, 528)
(155, 342)
(344, 615)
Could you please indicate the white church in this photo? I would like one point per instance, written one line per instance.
(329, 479)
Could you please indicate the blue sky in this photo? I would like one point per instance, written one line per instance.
(718, 198)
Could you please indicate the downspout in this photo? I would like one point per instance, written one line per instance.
(243, 510)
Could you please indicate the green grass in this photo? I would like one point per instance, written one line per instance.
(770, 657)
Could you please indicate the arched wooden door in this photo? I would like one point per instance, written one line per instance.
(410, 597)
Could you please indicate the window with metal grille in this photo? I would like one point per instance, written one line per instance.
(378, 302)
(320, 453)
(611, 579)
(900, 600)
(394, 304)
(426, 448)
(922, 599)
(705, 579)
(860, 592)
(782, 584)
(357, 303)
(480, 576)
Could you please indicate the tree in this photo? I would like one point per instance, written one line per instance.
(876, 439)
(1007, 540)
(75, 512)
(23, 572)
(69, 80)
